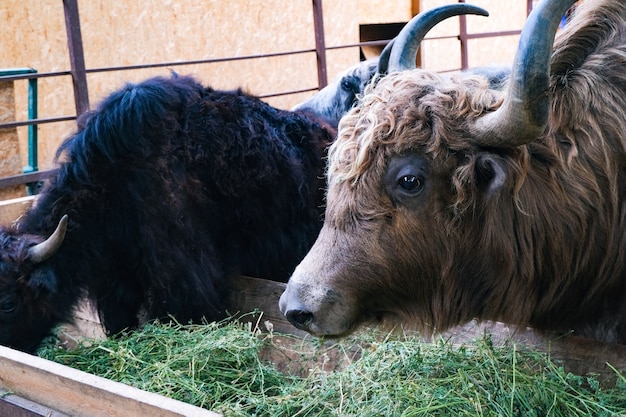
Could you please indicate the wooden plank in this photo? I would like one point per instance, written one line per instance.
(15, 406)
(81, 394)
(11, 209)
(577, 354)
(254, 293)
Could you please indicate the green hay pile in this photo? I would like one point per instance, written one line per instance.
(219, 367)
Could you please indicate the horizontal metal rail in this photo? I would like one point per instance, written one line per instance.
(31, 177)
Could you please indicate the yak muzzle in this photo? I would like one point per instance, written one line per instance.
(319, 311)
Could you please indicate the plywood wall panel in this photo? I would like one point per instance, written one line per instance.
(10, 162)
(376, 11)
(32, 34)
(154, 31)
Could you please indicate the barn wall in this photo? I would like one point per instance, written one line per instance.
(129, 32)
(376, 11)
(151, 31)
(10, 162)
(444, 55)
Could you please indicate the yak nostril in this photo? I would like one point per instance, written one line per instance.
(299, 318)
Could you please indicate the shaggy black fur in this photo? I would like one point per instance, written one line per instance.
(169, 186)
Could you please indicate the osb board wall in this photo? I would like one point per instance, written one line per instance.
(10, 162)
(444, 55)
(33, 35)
(376, 11)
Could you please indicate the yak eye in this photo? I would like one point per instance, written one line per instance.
(349, 84)
(410, 183)
(405, 179)
(8, 306)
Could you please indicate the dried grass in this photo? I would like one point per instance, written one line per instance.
(218, 366)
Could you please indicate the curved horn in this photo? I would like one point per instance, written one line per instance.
(48, 247)
(383, 59)
(524, 113)
(404, 53)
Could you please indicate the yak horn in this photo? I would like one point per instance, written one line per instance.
(47, 248)
(404, 52)
(523, 115)
(383, 59)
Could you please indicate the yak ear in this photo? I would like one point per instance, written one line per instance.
(490, 173)
(42, 281)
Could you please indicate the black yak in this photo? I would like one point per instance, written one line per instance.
(166, 187)
(449, 201)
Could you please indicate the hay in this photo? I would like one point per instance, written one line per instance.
(219, 367)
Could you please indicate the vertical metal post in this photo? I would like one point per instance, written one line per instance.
(32, 129)
(463, 39)
(320, 43)
(33, 147)
(77, 57)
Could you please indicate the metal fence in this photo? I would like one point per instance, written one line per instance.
(78, 73)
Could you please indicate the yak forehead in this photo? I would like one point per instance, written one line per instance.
(415, 110)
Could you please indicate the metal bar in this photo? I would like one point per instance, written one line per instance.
(433, 38)
(463, 40)
(9, 75)
(32, 128)
(492, 34)
(36, 121)
(32, 116)
(320, 43)
(26, 178)
(8, 72)
(286, 93)
(359, 44)
(77, 56)
(157, 65)
(199, 61)
(31, 75)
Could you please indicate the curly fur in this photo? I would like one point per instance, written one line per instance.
(169, 187)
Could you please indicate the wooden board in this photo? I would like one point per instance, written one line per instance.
(577, 354)
(10, 210)
(16, 406)
(78, 393)
(253, 293)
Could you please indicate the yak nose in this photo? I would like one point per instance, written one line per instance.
(293, 309)
(300, 318)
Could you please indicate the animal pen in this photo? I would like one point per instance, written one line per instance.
(36, 113)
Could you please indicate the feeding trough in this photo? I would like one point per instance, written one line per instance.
(44, 388)
(40, 386)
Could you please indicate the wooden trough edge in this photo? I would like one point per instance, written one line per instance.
(577, 354)
(12, 209)
(77, 393)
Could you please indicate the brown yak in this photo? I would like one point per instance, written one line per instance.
(449, 201)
